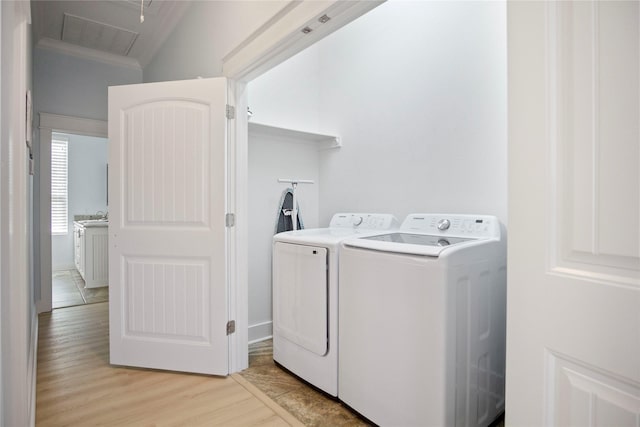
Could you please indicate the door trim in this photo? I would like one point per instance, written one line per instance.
(237, 237)
(48, 124)
(281, 37)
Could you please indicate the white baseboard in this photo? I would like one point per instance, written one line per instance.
(33, 368)
(260, 331)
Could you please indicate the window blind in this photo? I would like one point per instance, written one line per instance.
(59, 185)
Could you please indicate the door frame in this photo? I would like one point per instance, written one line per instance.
(278, 40)
(50, 123)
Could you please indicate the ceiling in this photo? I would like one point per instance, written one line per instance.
(108, 30)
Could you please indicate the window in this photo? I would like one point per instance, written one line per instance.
(59, 186)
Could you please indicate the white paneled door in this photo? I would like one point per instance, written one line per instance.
(573, 322)
(167, 237)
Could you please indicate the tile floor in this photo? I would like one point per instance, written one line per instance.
(68, 290)
(308, 405)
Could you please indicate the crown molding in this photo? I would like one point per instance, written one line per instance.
(86, 53)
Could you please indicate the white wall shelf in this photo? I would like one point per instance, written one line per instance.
(323, 141)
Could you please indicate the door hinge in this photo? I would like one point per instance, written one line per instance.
(231, 112)
(231, 327)
(230, 220)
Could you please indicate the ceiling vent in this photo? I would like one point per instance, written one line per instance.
(97, 35)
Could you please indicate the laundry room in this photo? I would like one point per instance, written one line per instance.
(402, 111)
(406, 138)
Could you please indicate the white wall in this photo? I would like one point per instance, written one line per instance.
(17, 309)
(87, 191)
(73, 86)
(271, 158)
(417, 92)
(289, 95)
(207, 32)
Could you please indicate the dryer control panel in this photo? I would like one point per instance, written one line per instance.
(459, 225)
(368, 221)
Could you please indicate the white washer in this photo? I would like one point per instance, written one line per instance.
(305, 295)
(422, 322)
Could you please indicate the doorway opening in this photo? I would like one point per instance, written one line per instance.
(395, 132)
(84, 135)
(78, 194)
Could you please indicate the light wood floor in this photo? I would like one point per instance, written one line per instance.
(76, 386)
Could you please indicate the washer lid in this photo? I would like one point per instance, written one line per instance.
(343, 225)
(419, 239)
(409, 243)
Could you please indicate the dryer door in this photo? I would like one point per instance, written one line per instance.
(300, 295)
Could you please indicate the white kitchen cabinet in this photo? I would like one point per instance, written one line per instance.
(91, 248)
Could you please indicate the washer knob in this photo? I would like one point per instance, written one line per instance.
(356, 220)
(444, 224)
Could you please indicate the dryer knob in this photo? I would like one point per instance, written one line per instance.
(356, 220)
(444, 224)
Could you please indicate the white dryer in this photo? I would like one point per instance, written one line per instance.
(305, 295)
(422, 322)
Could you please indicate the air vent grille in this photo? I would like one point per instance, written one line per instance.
(97, 35)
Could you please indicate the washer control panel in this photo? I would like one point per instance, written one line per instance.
(461, 225)
(369, 221)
